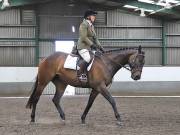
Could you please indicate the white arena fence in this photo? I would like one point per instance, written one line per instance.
(19, 80)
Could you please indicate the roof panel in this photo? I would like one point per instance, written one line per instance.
(150, 7)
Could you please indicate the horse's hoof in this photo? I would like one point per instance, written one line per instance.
(63, 122)
(31, 122)
(83, 122)
(119, 123)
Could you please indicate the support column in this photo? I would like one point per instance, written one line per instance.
(37, 30)
(164, 44)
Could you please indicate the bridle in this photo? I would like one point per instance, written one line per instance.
(133, 65)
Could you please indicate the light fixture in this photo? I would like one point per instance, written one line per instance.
(165, 3)
(142, 12)
(5, 4)
(73, 29)
(168, 5)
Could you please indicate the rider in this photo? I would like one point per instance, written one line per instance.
(87, 41)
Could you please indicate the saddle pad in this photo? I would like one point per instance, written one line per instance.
(71, 61)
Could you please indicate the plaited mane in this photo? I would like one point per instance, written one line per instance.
(119, 49)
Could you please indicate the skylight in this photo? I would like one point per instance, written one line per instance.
(147, 1)
(129, 6)
(163, 3)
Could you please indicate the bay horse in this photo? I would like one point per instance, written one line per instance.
(100, 76)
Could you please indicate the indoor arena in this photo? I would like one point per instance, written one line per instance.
(129, 86)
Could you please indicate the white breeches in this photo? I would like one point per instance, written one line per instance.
(85, 55)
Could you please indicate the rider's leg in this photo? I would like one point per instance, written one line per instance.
(84, 53)
(83, 67)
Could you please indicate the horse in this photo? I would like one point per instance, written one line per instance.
(100, 76)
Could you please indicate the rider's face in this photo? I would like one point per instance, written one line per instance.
(92, 18)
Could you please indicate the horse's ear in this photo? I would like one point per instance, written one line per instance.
(140, 49)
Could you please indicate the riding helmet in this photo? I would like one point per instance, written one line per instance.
(89, 13)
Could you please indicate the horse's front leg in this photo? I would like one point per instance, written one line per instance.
(103, 90)
(92, 97)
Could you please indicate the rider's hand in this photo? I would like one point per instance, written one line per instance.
(93, 47)
(102, 49)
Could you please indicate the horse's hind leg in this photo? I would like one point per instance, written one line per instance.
(92, 97)
(60, 88)
(36, 97)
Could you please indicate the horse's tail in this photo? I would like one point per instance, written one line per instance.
(31, 99)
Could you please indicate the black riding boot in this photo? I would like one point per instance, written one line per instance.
(82, 74)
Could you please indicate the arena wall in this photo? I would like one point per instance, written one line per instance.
(154, 81)
(18, 81)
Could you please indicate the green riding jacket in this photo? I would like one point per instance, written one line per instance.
(87, 36)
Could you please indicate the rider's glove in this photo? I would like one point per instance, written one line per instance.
(102, 49)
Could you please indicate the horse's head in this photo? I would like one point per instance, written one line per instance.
(136, 63)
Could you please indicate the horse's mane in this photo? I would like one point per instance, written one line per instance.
(120, 49)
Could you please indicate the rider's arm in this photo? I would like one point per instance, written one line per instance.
(98, 44)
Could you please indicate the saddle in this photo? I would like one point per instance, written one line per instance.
(74, 62)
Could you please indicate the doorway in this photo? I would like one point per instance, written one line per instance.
(66, 46)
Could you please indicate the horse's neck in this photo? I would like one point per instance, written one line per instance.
(115, 60)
